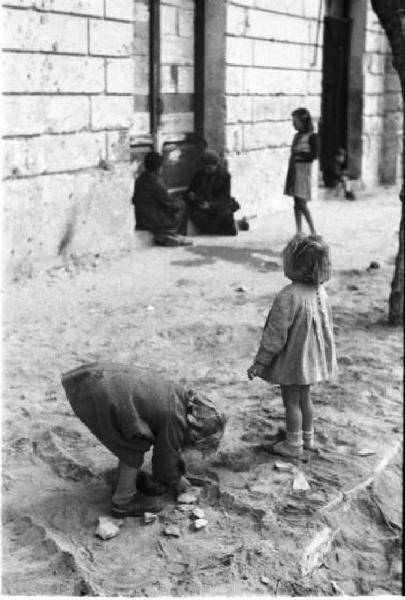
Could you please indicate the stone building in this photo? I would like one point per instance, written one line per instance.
(90, 85)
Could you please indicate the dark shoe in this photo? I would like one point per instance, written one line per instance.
(138, 505)
(350, 196)
(149, 486)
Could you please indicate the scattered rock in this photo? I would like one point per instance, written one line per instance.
(172, 531)
(337, 589)
(149, 518)
(315, 554)
(187, 498)
(108, 528)
(198, 513)
(353, 288)
(373, 265)
(240, 288)
(300, 483)
(281, 466)
(265, 580)
(200, 524)
(185, 508)
(365, 452)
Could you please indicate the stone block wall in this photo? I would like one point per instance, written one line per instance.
(382, 112)
(274, 63)
(75, 82)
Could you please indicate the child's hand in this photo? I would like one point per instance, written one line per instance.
(255, 370)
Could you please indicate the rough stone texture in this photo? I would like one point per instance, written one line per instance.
(29, 30)
(119, 9)
(120, 76)
(37, 212)
(111, 112)
(110, 38)
(76, 7)
(54, 153)
(277, 54)
(29, 115)
(52, 74)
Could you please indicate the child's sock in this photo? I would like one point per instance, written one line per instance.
(294, 438)
(308, 437)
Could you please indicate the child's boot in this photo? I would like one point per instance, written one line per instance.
(291, 447)
(308, 437)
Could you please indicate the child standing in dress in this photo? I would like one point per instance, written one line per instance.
(297, 347)
(304, 150)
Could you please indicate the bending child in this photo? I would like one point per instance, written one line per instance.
(130, 409)
(297, 347)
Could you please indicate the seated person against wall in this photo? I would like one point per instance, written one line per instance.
(209, 197)
(155, 209)
(337, 175)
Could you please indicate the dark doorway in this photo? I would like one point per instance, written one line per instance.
(171, 59)
(335, 80)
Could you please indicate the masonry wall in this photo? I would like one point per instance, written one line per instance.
(274, 65)
(75, 81)
(383, 112)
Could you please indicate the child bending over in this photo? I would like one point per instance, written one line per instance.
(130, 409)
(297, 347)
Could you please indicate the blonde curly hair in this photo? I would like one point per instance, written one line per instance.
(306, 259)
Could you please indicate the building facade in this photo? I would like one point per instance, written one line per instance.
(91, 85)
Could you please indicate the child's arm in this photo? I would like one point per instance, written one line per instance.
(275, 332)
(301, 156)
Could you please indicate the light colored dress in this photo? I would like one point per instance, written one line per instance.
(297, 346)
(298, 182)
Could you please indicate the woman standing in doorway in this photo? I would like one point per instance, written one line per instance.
(304, 150)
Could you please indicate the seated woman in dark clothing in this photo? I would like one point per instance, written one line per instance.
(209, 197)
(155, 209)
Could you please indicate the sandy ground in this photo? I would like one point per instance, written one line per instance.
(179, 311)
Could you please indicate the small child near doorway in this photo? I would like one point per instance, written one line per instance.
(340, 176)
(297, 348)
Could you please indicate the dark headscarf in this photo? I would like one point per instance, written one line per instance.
(210, 157)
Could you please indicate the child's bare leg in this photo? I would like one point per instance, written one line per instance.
(307, 416)
(126, 484)
(347, 188)
(308, 217)
(297, 215)
(292, 446)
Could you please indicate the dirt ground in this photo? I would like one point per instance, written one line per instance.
(179, 311)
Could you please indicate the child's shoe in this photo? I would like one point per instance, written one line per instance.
(350, 195)
(149, 486)
(308, 438)
(291, 447)
(136, 507)
(285, 449)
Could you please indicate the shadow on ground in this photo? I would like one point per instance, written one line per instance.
(257, 258)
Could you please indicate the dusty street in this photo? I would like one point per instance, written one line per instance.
(180, 312)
